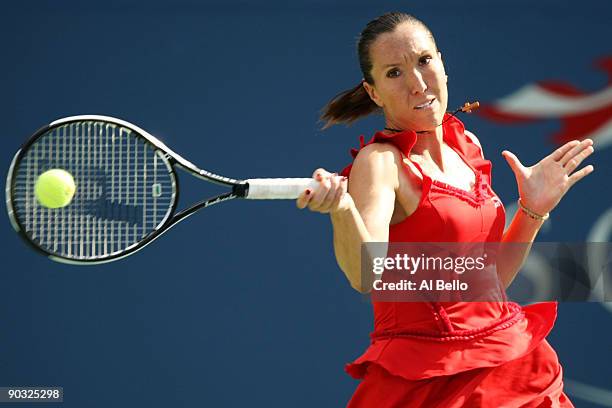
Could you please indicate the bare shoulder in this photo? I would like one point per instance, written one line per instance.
(474, 140)
(381, 186)
(378, 154)
(377, 162)
(379, 148)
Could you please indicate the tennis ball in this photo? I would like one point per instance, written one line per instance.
(54, 188)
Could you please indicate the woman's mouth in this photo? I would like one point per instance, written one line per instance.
(425, 104)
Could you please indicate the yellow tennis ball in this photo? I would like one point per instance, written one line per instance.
(54, 188)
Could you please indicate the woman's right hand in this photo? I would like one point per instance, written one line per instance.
(331, 195)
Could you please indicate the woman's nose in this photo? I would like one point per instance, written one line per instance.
(416, 82)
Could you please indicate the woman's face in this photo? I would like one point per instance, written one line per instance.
(409, 78)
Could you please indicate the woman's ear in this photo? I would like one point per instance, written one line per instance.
(371, 90)
(440, 56)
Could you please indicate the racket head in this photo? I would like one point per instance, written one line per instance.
(126, 189)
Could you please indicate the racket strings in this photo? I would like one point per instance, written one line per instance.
(124, 190)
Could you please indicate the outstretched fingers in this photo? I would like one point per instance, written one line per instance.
(560, 152)
(575, 151)
(575, 161)
(580, 174)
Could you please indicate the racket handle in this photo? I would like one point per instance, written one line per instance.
(279, 188)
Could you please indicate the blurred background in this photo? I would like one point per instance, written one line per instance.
(244, 305)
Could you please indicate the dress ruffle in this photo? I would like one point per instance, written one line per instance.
(406, 139)
(417, 357)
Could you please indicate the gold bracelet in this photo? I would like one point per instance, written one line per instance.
(532, 214)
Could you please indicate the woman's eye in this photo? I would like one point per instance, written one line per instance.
(425, 60)
(393, 73)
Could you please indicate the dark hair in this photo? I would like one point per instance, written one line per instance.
(352, 104)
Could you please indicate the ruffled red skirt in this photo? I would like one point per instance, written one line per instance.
(512, 366)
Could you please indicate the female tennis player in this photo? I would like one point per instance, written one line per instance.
(424, 179)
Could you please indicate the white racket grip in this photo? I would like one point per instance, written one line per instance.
(279, 188)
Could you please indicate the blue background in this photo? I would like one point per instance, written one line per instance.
(243, 304)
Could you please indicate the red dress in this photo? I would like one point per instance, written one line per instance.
(462, 354)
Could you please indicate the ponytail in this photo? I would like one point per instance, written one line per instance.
(347, 107)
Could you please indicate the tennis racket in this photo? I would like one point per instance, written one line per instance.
(127, 189)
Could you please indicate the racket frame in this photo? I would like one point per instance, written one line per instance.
(169, 157)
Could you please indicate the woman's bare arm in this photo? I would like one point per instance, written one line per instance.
(363, 215)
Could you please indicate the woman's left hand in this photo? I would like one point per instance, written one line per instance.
(542, 185)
